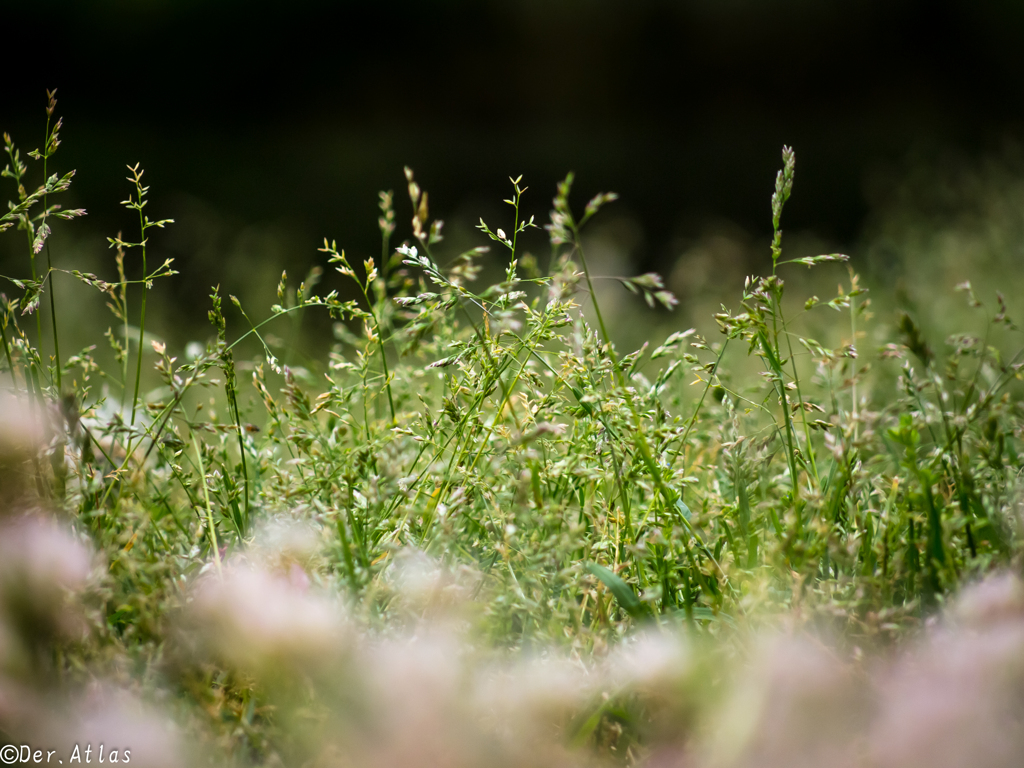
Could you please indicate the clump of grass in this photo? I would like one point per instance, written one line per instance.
(581, 491)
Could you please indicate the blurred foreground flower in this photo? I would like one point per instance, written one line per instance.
(42, 566)
(425, 693)
(117, 721)
(20, 438)
(262, 622)
(959, 698)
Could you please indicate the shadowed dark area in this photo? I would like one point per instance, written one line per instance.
(293, 115)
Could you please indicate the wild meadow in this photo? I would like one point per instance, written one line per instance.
(480, 531)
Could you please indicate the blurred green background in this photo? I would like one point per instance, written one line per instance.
(265, 126)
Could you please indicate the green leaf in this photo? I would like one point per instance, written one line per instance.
(589, 725)
(624, 595)
(684, 510)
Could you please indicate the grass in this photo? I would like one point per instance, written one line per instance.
(491, 443)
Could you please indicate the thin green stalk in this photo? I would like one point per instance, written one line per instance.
(853, 362)
(495, 372)
(209, 507)
(383, 356)
(346, 547)
(696, 411)
(142, 320)
(241, 448)
(35, 278)
(127, 343)
(227, 364)
(7, 349)
(800, 399)
(49, 264)
(53, 317)
(338, 257)
(505, 400)
(460, 453)
(771, 350)
(456, 433)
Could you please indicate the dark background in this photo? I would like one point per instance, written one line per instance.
(286, 118)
